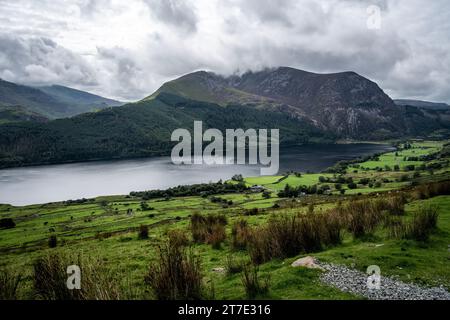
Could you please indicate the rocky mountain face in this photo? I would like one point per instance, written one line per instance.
(345, 104)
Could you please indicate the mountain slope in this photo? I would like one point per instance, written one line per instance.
(77, 97)
(136, 130)
(345, 104)
(422, 104)
(10, 114)
(52, 102)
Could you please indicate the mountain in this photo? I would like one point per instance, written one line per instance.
(140, 129)
(52, 102)
(306, 107)
(77, 97)
(422, 104)
(10, 114)
(345, 104)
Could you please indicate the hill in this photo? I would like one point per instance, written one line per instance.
(306, 107)
(140, 129)
(78, 97)
(52, 102)
(345, 104)
(19, 114)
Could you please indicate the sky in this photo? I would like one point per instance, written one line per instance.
(127, 49)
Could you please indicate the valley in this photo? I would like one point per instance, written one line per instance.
(307, 108)
(118, 239)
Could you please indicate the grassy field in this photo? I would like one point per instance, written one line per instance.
(107, 228)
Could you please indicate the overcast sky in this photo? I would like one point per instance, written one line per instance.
(127, 49)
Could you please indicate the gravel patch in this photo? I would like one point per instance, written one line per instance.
(353, 281)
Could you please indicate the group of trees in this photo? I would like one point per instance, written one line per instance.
(205, 189)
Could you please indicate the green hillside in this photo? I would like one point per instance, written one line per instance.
(10, 114)
(52, 102)
(136, 130)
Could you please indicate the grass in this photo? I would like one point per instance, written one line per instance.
(104, 229)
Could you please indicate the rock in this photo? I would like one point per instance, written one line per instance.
(219, 270)
(307, 262)
(354, 281)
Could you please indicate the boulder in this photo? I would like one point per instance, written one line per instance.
(307, 262)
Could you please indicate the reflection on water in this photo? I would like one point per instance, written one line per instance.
(23, 186)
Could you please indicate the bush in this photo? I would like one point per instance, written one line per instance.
(178, 238)
(363, 217)
(9, 283)
(288, 235)
(267, 194)
(50, 279)
(240, 234)
(208, 229)
(143, 232)
(423, 224)
(7, 223)
(432, 190)
(52, 241)
(394, 205)
(396, 228)
(232, 266)
(253, 285)
(216, 236)
(176, 274)
(352, 186)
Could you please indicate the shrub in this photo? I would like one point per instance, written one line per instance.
(394, 205)
(9, 283)
(288, 235)
(50, 277)
(259, 245)
(178, 238)
(423, 224)
(216, 236)
(352, 186)
(267, 194)
(404, 178)
(253, 285)
(363, 217)
(397, 204)
(208, 229)
(395, 226)
(240, 234)
(143, 232)
(52, 241)
(176, 274)
(7, 223)
(251, 212)
(232, 266)
(432, 190)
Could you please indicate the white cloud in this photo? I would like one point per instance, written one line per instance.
(126, 50)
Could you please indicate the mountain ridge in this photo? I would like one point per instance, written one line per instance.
(345, 102)
(52, 101)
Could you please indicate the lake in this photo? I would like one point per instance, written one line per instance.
(51, 183)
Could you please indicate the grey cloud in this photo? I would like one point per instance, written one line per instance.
(409, 57)
(178, 13)
(41, 60)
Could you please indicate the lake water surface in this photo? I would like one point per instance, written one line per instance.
(42, 184)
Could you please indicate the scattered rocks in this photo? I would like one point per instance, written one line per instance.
(307, 262)
(353, 281)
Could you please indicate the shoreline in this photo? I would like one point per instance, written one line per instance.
(138, 189)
